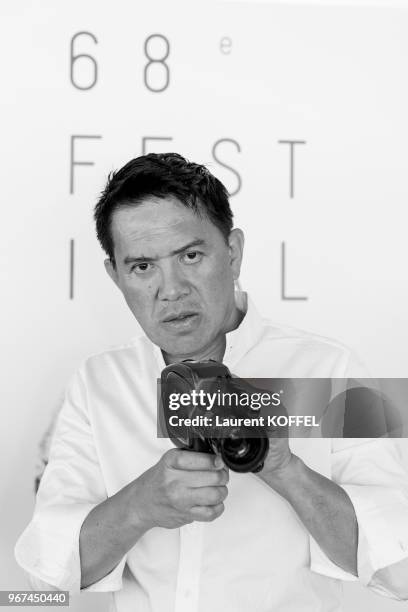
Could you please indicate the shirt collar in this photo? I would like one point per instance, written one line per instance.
(240, 340)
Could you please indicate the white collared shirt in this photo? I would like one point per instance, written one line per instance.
(257, 555)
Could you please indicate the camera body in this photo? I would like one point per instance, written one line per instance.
(242, 449)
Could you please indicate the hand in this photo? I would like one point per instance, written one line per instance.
(277, 461)
(279, 456)
(184, 486)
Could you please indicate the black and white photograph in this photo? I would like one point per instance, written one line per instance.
(204, 396)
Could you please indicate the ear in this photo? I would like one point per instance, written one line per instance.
(236, 248)
(112, 271)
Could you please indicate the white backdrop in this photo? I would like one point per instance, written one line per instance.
(299, 108)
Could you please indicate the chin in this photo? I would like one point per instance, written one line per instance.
(186, 349)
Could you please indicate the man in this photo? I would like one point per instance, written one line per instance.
(120, 510)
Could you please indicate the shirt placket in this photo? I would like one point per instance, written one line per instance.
(188, 576)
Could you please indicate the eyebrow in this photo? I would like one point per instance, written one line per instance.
(129, 259)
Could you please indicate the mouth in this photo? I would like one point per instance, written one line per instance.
(181, 316)
(182, 321)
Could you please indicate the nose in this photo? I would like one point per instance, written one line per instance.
(172, 285)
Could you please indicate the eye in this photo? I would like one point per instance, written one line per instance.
(192, 257)
(142, 268)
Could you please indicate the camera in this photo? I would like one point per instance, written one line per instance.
(242, 448)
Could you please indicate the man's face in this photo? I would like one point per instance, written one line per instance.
(177, 275)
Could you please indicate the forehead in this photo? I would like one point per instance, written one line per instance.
(159, 223)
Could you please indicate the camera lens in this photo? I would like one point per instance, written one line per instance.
(236, 448)
(244, 454)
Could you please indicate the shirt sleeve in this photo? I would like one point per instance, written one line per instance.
(371, 472)
(72, 485)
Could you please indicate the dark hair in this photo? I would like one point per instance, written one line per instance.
(161, 175)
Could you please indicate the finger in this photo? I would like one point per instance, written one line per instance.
(207, 496)
(207, 513)
(219, 463)
(199, 478)
(191, 460)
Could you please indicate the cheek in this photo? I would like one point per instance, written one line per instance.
(221, 275)
(215, 284)
(139, 301)
(217, 270)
